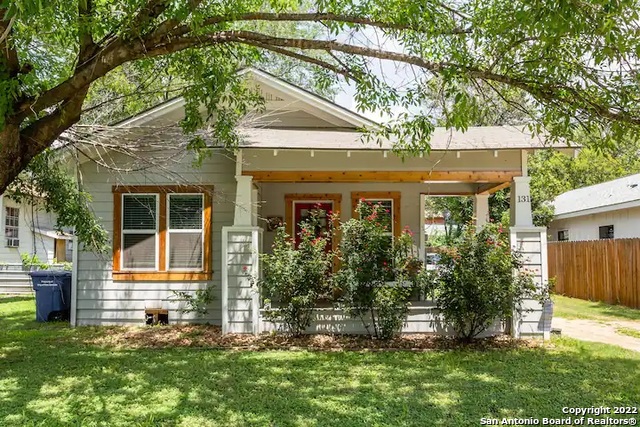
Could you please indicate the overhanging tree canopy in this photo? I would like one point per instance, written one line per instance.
(576, 61)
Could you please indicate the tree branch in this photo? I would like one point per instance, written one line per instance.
(87, 45)
(312, 17)
(542, 91)
(7, 50)
(345, 72)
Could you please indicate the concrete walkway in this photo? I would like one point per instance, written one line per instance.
(599, 331)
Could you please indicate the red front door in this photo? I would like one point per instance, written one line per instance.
(304, 210)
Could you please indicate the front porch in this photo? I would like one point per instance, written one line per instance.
(275, 184)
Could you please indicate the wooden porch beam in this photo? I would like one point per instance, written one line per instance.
(492, 187)
(381, 176)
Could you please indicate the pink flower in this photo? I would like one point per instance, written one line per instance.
(245, 268)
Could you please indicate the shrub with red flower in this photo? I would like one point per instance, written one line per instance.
(377, 277)
(476, 284)
(294, 278)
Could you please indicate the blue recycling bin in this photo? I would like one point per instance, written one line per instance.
(53, 294)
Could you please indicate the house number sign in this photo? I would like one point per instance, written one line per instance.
(524, 199)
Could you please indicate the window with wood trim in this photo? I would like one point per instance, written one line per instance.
(389, 201)
(296, 204)
(162, 233)
(12, 227)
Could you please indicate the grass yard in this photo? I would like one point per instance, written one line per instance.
(630, 332)
(574, 308)
(51, 375)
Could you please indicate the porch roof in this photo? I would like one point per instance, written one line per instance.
(475, 138)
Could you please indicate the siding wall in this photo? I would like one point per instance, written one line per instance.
(14, 281)
(423, 317)
(100, 300)
(626, 224)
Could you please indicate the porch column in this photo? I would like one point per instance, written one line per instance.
(520, 213)
(241, 244)
(243, 207)
(254, 207)
(535, 318)
(481, 209)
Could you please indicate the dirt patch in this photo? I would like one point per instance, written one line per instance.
(212, 337)
(599, 331)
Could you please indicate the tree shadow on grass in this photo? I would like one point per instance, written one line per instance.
(78, 384)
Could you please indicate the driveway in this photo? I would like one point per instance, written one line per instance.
(603, 331)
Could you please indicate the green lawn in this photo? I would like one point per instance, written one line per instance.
(574, 308)
(634, 333)
(51, 375)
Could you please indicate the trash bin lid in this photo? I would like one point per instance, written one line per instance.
(50, 273)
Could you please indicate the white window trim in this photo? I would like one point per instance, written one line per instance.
(7, 226)
(177, 231)
(156, 232)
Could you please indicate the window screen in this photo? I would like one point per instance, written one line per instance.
(185, 231)
(139, 230)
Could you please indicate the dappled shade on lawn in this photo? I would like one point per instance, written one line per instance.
(56, 376)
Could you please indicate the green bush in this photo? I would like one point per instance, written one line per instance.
(377, 277)
(479, 280)
(32, 262)
(293, 279)
(196, 301)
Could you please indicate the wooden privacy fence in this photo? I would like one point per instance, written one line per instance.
(599, 270)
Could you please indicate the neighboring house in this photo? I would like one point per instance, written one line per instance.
(205, 226)
(610, 210)
(434, 225)
(27, 229)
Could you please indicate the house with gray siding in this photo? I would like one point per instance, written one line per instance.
(205, 226)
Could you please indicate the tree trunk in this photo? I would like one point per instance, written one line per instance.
(19, 146)
(10, 155)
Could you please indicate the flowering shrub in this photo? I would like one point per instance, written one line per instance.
(369, 262)
(476, 283)
(294, 278)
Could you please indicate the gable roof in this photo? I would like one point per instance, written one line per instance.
(608, 196)
(475, 138)
(274, 89)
